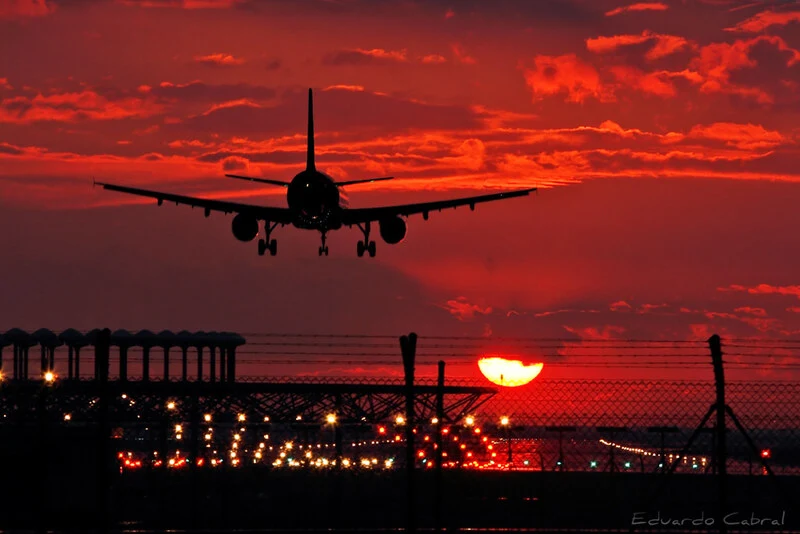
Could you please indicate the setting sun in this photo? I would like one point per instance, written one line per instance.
(508, 373)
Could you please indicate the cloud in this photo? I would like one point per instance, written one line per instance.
(235, 163)
(620, 305)
(763, 289)
(71, 107)
(449, 14)
(552, 75)
(607, 332)
(760, 312)
(463, 310)
(664, 44)
(655, 83)
(184, 4)
(744, 136)
(10, 9)
(642, 6)
(344, 88)
(359, 56)
(335, 108)
(716, 61)
(761, 21)
(433, 59)
(5, 85)
(201, 91)
(219, 60)
(461, 56)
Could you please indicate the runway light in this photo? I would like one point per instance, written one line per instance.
(242, 417)
(207, 417)
(627, 465)
(469, 420)
(399, 420)
(170, 405)
(504, 421)
(67, 417)
(331, 418)
(178, 428)
(435, 421)
(381, 430)
(593, 464)
(766, 453)
(49, 376)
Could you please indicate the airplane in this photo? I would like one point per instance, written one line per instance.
(315, 204)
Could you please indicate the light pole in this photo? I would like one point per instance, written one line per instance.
(504, 422)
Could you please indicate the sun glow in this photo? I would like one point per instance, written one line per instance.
(508, 373)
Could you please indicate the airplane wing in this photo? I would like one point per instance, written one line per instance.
(260, 180)
(365, 181)
(363, 215)
(277, 215)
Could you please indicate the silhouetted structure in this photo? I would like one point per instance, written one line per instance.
(222, 343)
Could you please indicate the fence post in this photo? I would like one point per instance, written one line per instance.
(439, 489)
(408, 346)
(720, 452)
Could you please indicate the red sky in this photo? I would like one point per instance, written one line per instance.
(663, 135)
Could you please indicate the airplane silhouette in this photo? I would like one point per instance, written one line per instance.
(315, 204)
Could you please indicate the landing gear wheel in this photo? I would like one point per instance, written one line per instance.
(360, 249)
(262, 247)
(273, 247)
(371, 249)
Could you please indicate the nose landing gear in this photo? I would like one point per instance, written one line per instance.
(366, 245)
(324, 248)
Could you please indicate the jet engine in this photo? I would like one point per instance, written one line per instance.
(393, 230)
(245, 227)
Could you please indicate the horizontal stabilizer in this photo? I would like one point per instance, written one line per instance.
(365, 181)
(260, 180)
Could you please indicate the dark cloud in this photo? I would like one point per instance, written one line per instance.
(376, 56)
(201, 91)
(334, 111)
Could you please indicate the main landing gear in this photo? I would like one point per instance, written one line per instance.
(366, 245)
(324, 248)
(268, 244)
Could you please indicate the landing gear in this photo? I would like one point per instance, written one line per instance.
(324, 248)
(268, 244)
(366, 245)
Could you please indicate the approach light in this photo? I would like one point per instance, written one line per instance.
(242, 417)
(469, 420)
(207, 417)
(331, 418)
(504, 421)
(170, 405)
(766, 453)
(50, 377)
(399, 420)
(435, 420)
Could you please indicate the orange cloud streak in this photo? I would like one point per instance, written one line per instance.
(642, 6)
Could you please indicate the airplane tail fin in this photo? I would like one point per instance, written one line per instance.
(310, 151)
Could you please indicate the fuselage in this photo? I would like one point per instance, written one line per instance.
(315, 201)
